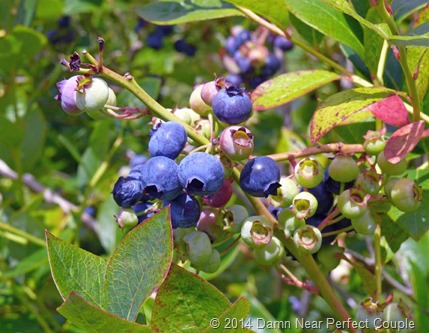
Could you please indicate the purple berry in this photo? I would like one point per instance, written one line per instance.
(282, 43)
(260, 177)
(185, 211)
(168, 140)
(67, 95)
(127, 191)
(159, 176)
(201, 173)
(221, 197)
(232, 105)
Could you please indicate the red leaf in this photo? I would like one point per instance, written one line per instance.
(391, 110)
(403, 141)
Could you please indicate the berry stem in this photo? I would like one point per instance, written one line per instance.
(22, 234)
(128, 82)
(378, 263)
(326, 148)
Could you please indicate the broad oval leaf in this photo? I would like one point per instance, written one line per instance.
(287, 87)
(333, 24)
(391, 110)
(235, 313)
(186, 302)
(273, 10)
(403, 8)
(74, 269)
(95, 320)
(345, 107)
(139, 265)
(177, 11)
(403, 141)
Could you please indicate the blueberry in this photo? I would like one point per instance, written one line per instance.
(137, 160)
(256, 80)
(165, 30)
(168, 140)
(272, 65)
(282, 43)
(127, 191)
(260, 177)
(185, 211)
(243, 36)
(155, 40)
(324, 197)
(64, 22)
(183, 46)
(231, 45)
(234, 79)
(90, 210)
(136, 171)
(201, 173)
(232, 105)
(243, 63)
(159, 176)
(332, 185)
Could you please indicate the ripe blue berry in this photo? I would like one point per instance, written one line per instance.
(185, 211)
(155, 40)
(334, 186)
(127, 191)
(234, 79)
(168, 140)
(325, 199)
(232, 105)
(260, 177)
(159, 176)
(272, 65)
(282, 43)
(201, 173)
(137, 159)
(183, 46)
(141, 210)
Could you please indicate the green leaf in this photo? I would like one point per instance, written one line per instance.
(403, 8)
(259, 314)
(416, 224)
(139, 265)
(29, 263)
(32, 146)
(345, 7)
(96, 152)
(311, 35)
(26, 11)
(418, 61)
(73, 7)
(234, 314)
(74, 269)
(186, 303)
(274, 10)
(419, 283)
(393, 233)
(95, 320)
(345, 107)
(287, 87)
(107, 227)
(177, 11)
(333, 24)
(49, 9)
(373, 42)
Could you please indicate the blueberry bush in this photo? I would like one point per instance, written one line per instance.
(214, 166)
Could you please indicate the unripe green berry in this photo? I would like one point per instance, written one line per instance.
(211, 265)
(396, 314)
(198, 246)
(368, 311)
(234, 218)
(390, 168)
(126, 218)
(308, 239)
(271, 253)
(308, 172)
(406, 195)
(365, 225)
(288, 190)
(374, 142)
(389, 185)
(369, 181)
(256, 232)
(94, 95)
(289, 222)
(343, 169)
(196, 102)
(327, 257)
(100, 114)
(352, 203)
(304, 205)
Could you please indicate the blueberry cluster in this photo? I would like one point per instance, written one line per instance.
(63, 34)
(155, 39)
(251, 57)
